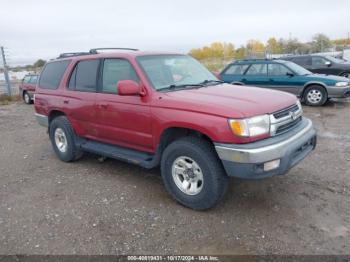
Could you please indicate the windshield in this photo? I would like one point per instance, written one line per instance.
(335, 60)
(165, 71)
(297, 69)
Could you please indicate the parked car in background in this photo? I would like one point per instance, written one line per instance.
(319, 64)
(27, 88)
(164, 109)
(313, 89)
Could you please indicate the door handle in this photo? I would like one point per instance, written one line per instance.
(271, 80)
(244, 79)
(65, 101)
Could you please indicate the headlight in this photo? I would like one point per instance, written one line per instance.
(342, 84)
(249, 127)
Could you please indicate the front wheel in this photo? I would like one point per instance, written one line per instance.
(26, 98)
(193, 174)
(315, 96)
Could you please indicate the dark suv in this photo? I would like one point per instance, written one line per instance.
(319, 64)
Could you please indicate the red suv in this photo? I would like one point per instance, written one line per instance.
(27, 88)
(167, 109)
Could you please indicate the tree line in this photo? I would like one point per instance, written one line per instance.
(253, 47)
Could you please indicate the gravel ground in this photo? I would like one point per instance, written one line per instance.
(88, 207)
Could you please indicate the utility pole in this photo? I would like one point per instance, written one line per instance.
(7, 79)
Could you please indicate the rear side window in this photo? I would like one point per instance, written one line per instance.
(257, 69)
(115, 70)
(236, 70)
(52, 73)
(84, 76)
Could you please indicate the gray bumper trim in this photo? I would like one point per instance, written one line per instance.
(42, 119)
(261, 154)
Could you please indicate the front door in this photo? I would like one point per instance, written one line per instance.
(283, 79)
(122, 120)
(256, 75)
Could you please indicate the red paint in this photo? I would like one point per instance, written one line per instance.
(138, 121)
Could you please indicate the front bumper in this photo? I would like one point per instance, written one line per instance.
(247, 160)
(338, 92)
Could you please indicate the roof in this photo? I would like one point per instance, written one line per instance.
(119, 52)
(243, 61)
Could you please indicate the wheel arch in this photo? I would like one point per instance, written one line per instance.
(313, 83)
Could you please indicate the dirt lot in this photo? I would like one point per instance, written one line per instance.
(88, 207)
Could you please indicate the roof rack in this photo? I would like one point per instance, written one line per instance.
(94, 50)
(64, 55)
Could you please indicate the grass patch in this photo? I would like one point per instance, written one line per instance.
(6, 100)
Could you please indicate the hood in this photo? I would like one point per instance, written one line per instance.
(331, 78)
(227, 100)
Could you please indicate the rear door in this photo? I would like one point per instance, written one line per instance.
(256, 75)
(282, 78)
(122, 120)
(79, 97)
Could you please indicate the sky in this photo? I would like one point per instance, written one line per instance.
(33, 29)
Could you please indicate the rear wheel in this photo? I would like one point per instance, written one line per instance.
(26, 98)
(193, 174)
(315, 95)
(63, 139)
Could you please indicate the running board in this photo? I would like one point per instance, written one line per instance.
(143, 159)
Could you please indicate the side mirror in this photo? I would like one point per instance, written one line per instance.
(129, 88)
(289, 74)
(328, 63)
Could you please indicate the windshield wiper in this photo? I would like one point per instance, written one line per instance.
(184, 86)
(216, 82)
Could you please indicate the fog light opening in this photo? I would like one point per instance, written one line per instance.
(272, 165)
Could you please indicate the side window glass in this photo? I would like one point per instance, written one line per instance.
(33, 80)
(26, 79)
(318, 61)
(278, 70)
(84, 76)
(257, 69)
(236, 70)
(52, 74)
(115, 70)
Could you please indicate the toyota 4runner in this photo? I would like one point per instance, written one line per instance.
(166, 109)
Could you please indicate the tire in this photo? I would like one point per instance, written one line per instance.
(315, 95)
(26, 98)
(199, 156)
(62, 139)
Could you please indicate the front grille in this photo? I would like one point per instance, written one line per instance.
(285, 119)
(286, 111)
(284, 128)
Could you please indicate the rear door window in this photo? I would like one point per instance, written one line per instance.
(257, 69)
(236, 70)
(84, 76)
(52, 74)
